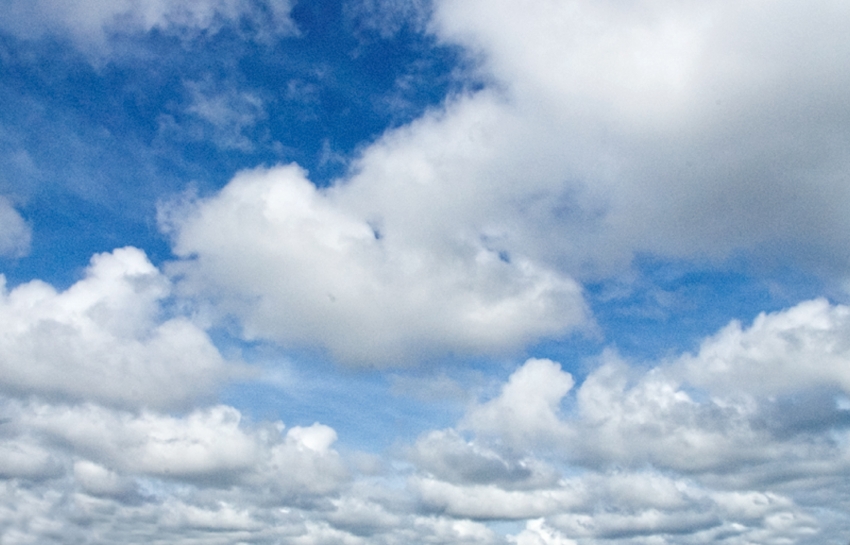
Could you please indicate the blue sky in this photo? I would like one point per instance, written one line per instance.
(450, 271)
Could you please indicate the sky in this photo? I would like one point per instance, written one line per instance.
(378, 272)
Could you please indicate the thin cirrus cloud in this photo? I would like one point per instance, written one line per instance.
(90, 25)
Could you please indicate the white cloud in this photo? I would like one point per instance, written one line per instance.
(527, 410)
(731, 443)
(600, 138)
(105, 339)
(636, 455)
(538, 533)
(678, 129)
(300, 267)
(15, 234)
(806, 346)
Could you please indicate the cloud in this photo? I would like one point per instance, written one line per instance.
(226, 117)
(106, 338)
(209, 446)
(629, 454)
(728, 443)
(804, 347)
(206, 475)
(629, 129)
(600, 138)
(90, 24)
(527, 410)
(15, 233)
(298, 266)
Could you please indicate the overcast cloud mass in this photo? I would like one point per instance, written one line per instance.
(371, 272)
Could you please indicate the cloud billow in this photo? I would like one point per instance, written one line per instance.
(464, 242)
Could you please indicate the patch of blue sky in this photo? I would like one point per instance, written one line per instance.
(373, 410)
(667, 307)
(87, 143)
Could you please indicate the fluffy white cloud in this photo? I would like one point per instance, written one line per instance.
(636, 455)
(299, 266)
(105, 339)
(674, 128)
(807, 346)
(608, 131)
(732, 443)
(209, 446)
(527, 410)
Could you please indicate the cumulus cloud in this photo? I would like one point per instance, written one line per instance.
(105, 339)
(628, 130)
(806, 346)
(299, 266)
(629, 454)
(211, 446)
(728, 443)
(527, 411)
(203, 476)
(607, 132)
(673, 128)
(659, 92)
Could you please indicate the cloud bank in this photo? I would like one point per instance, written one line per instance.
(634, 455)
(603, 131)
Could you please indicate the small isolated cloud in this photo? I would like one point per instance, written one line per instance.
(297, 265)
(219, 114)
(105, 339)
(15, 233)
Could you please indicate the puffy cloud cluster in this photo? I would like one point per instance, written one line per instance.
(652, 455)
(108, 338)
(680, 129)
(677, 128)
(672, 129)
(297, 266)
(731, 443)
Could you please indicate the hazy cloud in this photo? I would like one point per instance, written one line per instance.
(90, 24)
(15, 233)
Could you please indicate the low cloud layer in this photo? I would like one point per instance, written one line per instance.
(628, 455)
